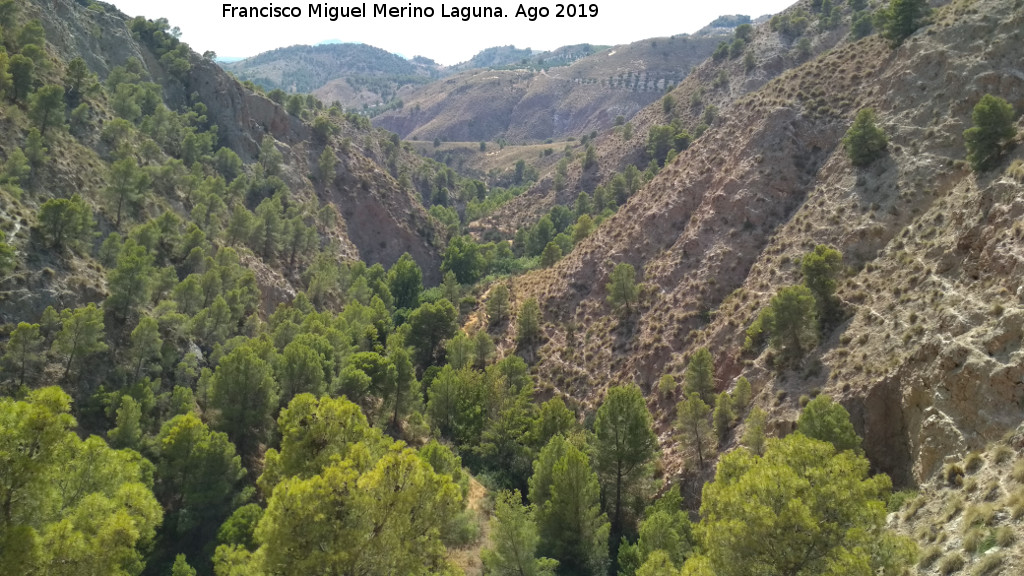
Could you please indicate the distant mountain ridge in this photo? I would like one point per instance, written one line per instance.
(304, 69)
(535, 101)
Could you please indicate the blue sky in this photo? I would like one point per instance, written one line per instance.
(446, 40)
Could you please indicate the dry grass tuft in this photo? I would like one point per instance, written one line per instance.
(988, 564)
(974, 462)
(1005, 536)
(979, 514)
(1016, 171)
(951, 563)
(1018, 471)
(929, 556)
(1002, 454)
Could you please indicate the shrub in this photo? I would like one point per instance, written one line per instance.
(898, 499)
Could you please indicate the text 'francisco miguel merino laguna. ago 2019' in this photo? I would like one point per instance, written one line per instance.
(334, 12)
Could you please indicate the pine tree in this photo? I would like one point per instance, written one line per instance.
(722, 416)
(483, 350)
(865, 142)
(528, 324)
(622, 290)
(584, 226)
(754, 431)
(243, 392)
(791, 321)
(625, 444)
(700, 375)
(459, 351)
(497, 305)
(667, 386)
(429, 326)
(802, 508)
(46, 107)
(514, 540)
(270, 157)
(821, 269)
(128, 433)
(566, 493)
(552, 419)
(78, 81)
(145, 345)
(741, 396)
(826, 420)
(66, 222)
(694, 428)
(902, 18)
(403, 391)
(16, 171)
(36, 150)
(8, 257)
(198, 471)
(80, 337)
(130, 283)
(300, 369)
(22, 75)
(24, 354)
(552, 254)
(590, 157)
(181, 567)
(405, 281)
(124, 190)
(992, 130)
(6, 85)
(64, 498)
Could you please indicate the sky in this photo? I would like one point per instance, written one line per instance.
(446, 40)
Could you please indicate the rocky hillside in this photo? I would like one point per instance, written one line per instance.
(968, 519)
(528, 105)
(706, 94)
(927, 359)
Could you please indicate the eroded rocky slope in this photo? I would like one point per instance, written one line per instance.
(929, 361)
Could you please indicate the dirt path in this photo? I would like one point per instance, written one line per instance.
(468, 558)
